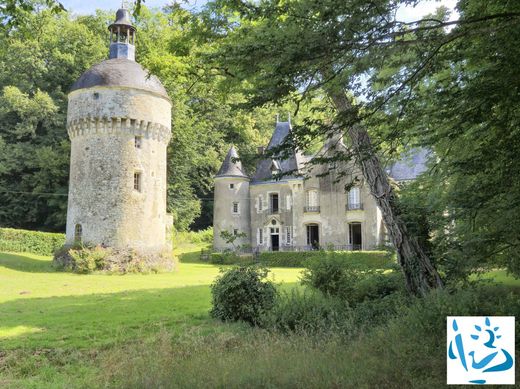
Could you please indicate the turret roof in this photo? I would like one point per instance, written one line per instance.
(231, 167)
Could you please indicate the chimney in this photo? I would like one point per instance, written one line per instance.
(261, 150)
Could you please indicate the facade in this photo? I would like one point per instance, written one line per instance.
(119, 124)
(280, 210)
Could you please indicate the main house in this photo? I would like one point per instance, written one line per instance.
(291, 204)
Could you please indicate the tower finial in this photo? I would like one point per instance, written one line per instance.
(289, 117)
(277, 118)
(122, 35)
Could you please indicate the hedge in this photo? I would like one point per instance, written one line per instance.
(36, 242)
(358, 259)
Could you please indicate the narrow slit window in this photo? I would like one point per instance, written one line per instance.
(138, 142)
(137, 181)
(78, 232)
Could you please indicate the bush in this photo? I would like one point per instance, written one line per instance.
(230, 259)
(193, 237)
(338, 278)
(36, 242)
(357, 259)
(309, 313)
(84, 259)
(242, 293)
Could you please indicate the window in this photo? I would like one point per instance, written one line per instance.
(354, 199)
(312, 198)
(260, 235)
(96, 96)
(231, 186)
(288, 202)
(260, 203)
(235, 232)
(273, 202)
(137, 181)
(138, 142)
(288, 235)
(235, 207)
(78, 232)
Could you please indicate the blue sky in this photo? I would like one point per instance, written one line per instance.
(87, 7)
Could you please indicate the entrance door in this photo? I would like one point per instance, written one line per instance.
(275, 242)
(313, 236)
(355, 236)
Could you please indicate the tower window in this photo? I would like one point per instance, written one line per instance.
(231, 186)
(78, 232)
(235, 207)
(96, 96)
(137, 181)
(138, 142)
(235, 232)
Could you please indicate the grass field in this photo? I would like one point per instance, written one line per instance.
(41, 308)
(67, 330)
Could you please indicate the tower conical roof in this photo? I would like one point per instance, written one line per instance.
(231, 168)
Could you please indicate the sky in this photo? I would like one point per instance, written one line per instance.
(88, 7)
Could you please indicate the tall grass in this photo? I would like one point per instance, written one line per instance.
(408, 350)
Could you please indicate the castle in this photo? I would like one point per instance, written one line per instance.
(290, 204)
(119, 124)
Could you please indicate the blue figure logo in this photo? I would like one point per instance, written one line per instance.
(495, 360)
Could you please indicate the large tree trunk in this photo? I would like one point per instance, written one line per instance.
(421, 276)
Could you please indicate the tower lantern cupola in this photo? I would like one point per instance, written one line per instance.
(122, 36)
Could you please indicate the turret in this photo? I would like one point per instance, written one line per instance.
(231, 211)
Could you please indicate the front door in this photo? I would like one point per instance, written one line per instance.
(275, 242)
(355, 236)
(313, 236)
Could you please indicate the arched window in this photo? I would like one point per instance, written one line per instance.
(78, 233)
(312, 201)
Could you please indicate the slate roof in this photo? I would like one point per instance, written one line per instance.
(230, 168)
(120, 72)
(291, 163)
(410, 166)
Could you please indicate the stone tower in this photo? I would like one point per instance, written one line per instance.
(119, 124)
(231, 204)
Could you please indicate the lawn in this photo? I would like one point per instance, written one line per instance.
(41, 308)
(62, 330)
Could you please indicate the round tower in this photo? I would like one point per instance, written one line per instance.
(231, 209)
(119, 124)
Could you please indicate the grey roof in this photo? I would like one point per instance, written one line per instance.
(292, 163)
(231, 168)
(120, 72)
(410, 166)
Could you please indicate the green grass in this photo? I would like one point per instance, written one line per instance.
(63, 330)
(41, 308)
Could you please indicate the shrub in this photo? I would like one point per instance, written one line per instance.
(36, 242)
(338, 278)
(357, 259)
(332, 276)
(309, 313)
(230, 258)
(193, 237)
(84, 259)
(242, 293)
